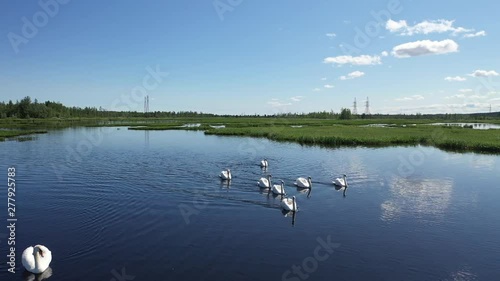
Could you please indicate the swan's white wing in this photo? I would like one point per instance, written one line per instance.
(287, 204)
(28, 259)
(263, 182)
(302, 182)
(45, 261)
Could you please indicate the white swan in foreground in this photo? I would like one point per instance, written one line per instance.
(225, 175)
(289, 204)
(265, 183)
(342, 182)
(263, 163)
(304, 183)
(279, 189)
(36, 259)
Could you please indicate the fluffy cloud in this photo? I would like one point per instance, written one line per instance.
(483, 73)
(456, 78)
(412, 98)
(477, 34)
(276, 103)
(425, 27)
(327, 86)
(323, 79)
(331, 35)
(424, 47)
(296, 98)
(359, 60)
(316, 89)
(384, 54)
(352, 75)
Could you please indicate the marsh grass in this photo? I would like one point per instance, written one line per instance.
(4, 134)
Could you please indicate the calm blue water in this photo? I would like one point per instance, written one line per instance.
(150, 205)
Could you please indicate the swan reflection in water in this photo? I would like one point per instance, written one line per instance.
(289, 214)
(344, 189)
(305, 190)
(225, 184)
(28, 276)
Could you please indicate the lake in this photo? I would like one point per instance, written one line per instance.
(148, 205)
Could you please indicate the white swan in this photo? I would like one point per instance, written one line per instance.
(304, 183)
(225, 175)
(342, 182)
(263, 163)
(289, 204)
(279, 189)
(36, 259)
(265, 183)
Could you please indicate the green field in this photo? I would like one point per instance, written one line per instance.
(325, 132)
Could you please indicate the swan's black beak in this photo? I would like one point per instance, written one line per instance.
(41, 253)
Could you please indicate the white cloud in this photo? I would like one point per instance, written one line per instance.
(459, 96)
(327, 86)
(412, 98)
(323, 79)
(477, 34)
(316, 89)
(276, 103)
(456, 78)
(483, 73)
(331, 35)
(424, 47)
(395, 26)
(352, 75)
(296, 98)
(384, 54)
(425, 27)
(359, 60)
(466, 90)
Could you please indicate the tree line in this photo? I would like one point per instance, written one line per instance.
(26, 108)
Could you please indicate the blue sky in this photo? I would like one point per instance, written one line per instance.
(246, 57)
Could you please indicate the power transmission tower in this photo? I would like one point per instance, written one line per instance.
(355, 107)
(367, 106)
(146, 104)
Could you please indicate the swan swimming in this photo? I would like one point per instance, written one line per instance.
(264, 163)
(225, 175)
(342, 182)
(265, 183)
(279, 189)
(289, 204)
(304, 183)
(36, 259)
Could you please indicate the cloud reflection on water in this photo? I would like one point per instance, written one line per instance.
(416, 197)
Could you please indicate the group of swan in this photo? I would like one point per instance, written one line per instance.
(288, 204)
(36, 259)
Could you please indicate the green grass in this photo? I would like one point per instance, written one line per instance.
(16, 133)
(325, 132)
(456, 139)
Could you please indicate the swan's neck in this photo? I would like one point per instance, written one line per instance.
(37, 259)
(345, 180)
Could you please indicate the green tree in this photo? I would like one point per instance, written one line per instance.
(345, 114)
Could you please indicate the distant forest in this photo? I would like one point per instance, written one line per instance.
(26, 108)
